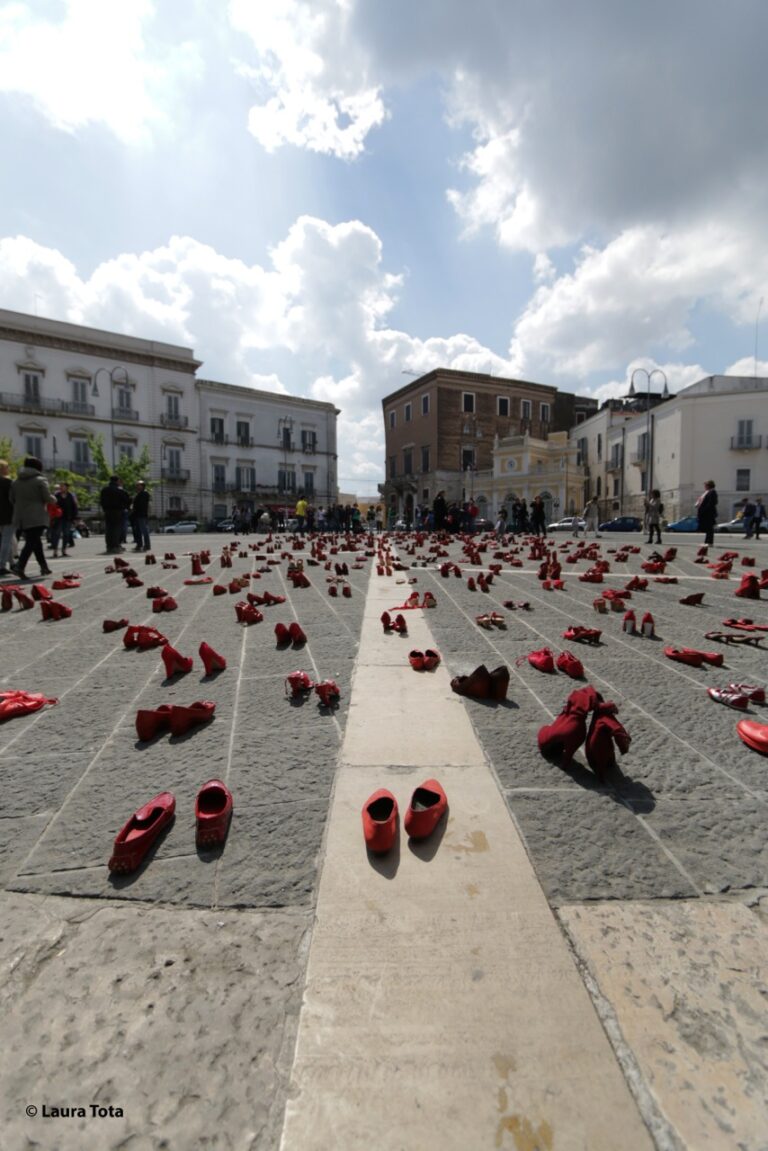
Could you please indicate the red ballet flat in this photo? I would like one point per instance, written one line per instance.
(428, 803)
(135, 839)
(380, 821)
(213, 812)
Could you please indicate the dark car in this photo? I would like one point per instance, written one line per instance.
(686, 524)
(622, 524)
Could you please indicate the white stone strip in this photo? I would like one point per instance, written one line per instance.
(442, 1007)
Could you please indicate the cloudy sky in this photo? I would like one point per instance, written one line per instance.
(319, 195)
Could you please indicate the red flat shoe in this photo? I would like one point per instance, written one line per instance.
(684, 655)
(542, 660)
(185, 718)
(328, 693)
(114, 624)
(212, 661)
(754, 734)
(431, 659)
(416, 660)
(582, 634)
(151, 723)
(134, 840)
(568, 663)
(751, 691)
(380, 821)
(16, 703)
(175, 662)
(213, 812)
(428, 803)
(298, 684)
(729, 697)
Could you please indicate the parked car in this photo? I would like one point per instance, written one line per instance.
(225, 526)
(686, 524)
(181, 526)
(569, 524)
(622, 524)
(731, 526)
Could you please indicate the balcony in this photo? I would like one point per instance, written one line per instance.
(28, 403)
(171, 421)
(75, 408)
(220, 486)
(746, 443)
(614, 464)
(175, 475)
(82, 467)
(216, 439)
(639, 459)
(245, 442)
(125, 415)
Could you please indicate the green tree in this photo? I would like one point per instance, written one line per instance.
(129, 470)
(7, 452)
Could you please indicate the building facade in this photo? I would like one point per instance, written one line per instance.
(442, 429)
(212, 446)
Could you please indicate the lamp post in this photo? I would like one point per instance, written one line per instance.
(95, 391)
(757, 324)
(285, 438)
(649, 376)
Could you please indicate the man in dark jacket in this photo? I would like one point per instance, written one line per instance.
(140, 516)
(115, 501)
(706, 511)
(6, 518)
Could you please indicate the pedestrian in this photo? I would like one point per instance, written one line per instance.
(140, 516)
(31, 496)
(439, 510)
(301, 513)
(500, 527)
(654, 510)
(115, 502)
(748, 516)
(7, 531)
(706, 511)
(591, 518)
(759, 516)
(63, 527)
(538, 517)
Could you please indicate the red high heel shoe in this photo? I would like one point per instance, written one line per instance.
(212, 661)
(134, 840)
(175, 662)
(185, 718)
(114, 624)
(213, 812)
(399, 625)
(297, 634)
(150, 723)
(282, 635)
(380, 821)
(428, 804)
(328, 693)
(298, 684)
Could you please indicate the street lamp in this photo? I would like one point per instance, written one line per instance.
(95, 391)
(649, 376)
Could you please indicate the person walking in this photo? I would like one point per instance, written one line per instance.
(301, 513)
(115, 502)
(706, 511)
(591, 518)
(654, 510)
(759, 516)
(439, 511)
(140, 515)
(538, 517)
(63, 528)
(748, 516)
(31, 496)
(7, 531)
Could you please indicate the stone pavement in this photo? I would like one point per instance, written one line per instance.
(175, 994)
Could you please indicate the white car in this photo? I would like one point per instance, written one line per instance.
(569, 524)
(731, 526)
(181, 526)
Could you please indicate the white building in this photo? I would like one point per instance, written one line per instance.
(212, 445)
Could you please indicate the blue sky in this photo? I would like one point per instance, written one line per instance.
(318, 195)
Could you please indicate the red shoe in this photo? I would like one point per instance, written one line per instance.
(218, 589)
(16, 703)
(416, 660)
(175, 662)
(629, 623)
(750, 690)
(380, 821)
(605, 731)
(400, 625)
(582, 634)
(156, 593)
(212, 661)
(328, 693)
(572, 666)
(692, 600)
(45, 609)
(213, 812)
(647, 626)
(7, 599)
(428, 803)
(729, 697)
(471, 585)
(40, 592)
(386, 621)
(297, 684)
(346, 590)
(114, 624)
(58, 610)
(754, 734)
(25, 602)
(148, 637)
(134, 840)
(333, 590)
(749, 587)
(431, 659)
(151, 723)
(499, 683)
(684, 655)
(428, 600)
(542, 660)
(476, 685)
(185, 718)
(297, 634)
(282, 635)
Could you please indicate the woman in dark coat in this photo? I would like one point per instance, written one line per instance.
(706, 511)
(31, 495)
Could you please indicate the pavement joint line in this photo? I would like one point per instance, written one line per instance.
(230, 750)
(660, 843)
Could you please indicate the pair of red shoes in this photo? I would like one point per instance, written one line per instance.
(737, 695)
(16, 703)
(246, 613)
(175, 718)
(397, 624)
(559, 741)
(544, 660)
(52, 610)
(483, 684)
(213, 813)
(293, 633)
(424, 660)
(694, 658)
(178, 664)
(164, 603)
(298, 685)
(380, 814)
(582, 634)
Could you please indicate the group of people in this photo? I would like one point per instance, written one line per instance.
(121, 512)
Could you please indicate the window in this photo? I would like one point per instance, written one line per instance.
(425, 459)
(33, 446)
(615, 486)
(407, 412)
(392, 419)
(309, 483)
(124, 399)
(80, 452)
(467, 401)
(582, 452)
(174, 504)
(617, 458)
(544, 413)
(285, 436)
(245, 478)
(32, 388)
(173, 461)
(744, 434)
(392, 467)
(172, 407)
(286, 479)
(308, 440)
(743, 479)
(502, 406)
(467, 459)
(425, 404)
(525, 409)
(599, 446)
(243, 433)
(219, 475)
(407, 461)
(217, 429)
(125, 451)
(80, 395)
(598, 488)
